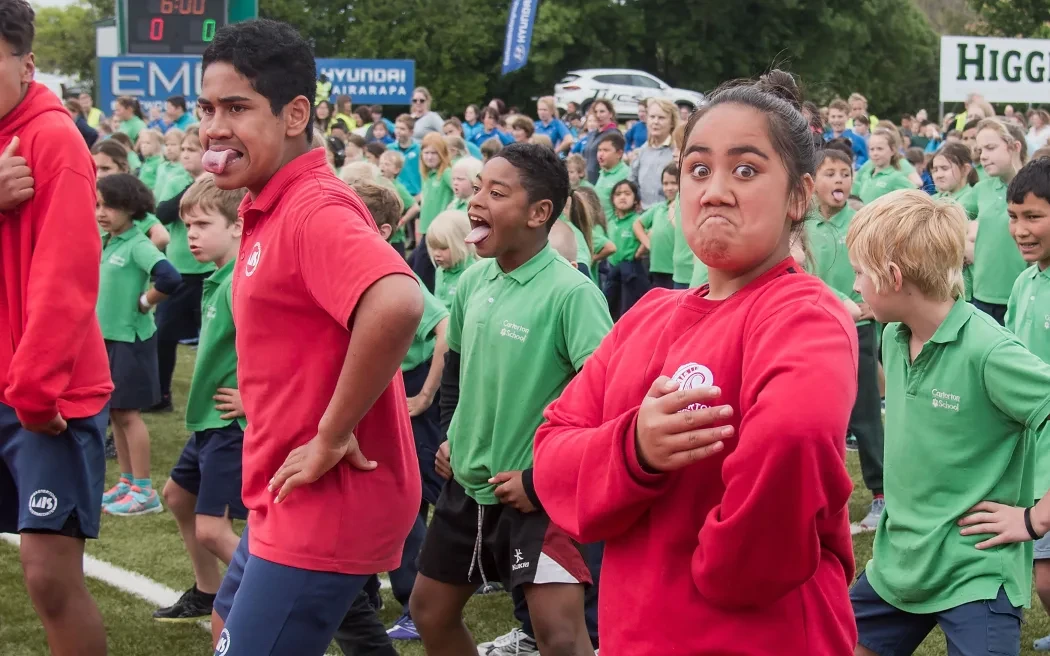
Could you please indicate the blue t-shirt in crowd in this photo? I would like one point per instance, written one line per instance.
(481, 137)
(636, 136)
(470, 129)
(860, 147)
(555, 129)
(409, 175)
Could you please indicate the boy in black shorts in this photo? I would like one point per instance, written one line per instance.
(54, 373)
(204, 490)
(522, 324)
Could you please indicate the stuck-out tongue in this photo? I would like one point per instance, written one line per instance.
(215, 161)
(478, 234)
(838, 194)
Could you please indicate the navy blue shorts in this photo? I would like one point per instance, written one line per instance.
(299, 621)
(978, 628)
(426, 429)
(52, 484)
(210, 468)
(135, 372)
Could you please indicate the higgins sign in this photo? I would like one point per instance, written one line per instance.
(153, 79)
(1001, 70)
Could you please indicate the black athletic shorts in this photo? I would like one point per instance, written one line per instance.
(516, 548)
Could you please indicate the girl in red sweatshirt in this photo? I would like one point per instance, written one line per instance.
(703, 440)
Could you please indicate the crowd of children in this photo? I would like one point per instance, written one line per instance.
(521, 337)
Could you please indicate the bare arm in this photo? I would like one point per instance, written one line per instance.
(160, 237)
(605, 252)
(419, 403)
(641, 234)
(971, 241)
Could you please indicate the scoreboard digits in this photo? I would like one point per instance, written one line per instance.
(172, 27)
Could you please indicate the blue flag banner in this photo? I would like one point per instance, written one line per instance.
(519, 34)
(154, 78)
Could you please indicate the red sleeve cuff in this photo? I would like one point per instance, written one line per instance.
(630, 452)
(42, 417)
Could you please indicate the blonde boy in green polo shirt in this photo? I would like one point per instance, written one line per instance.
(612, 169)
(964, 401)
(204, 488)
(523, 322)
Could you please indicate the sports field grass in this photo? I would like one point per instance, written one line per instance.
(151, 546)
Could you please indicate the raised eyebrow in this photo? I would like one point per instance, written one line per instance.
(742, 150)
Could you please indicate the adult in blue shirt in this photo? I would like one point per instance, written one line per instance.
(551, 126)
(838, 110)
(638, 135)
(178, 117)
(490, 121)
(471, 123)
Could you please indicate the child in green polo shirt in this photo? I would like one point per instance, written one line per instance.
(885, 174)
(151, 147)
(683, 254)
(523, 323)
(390, 164)
(826, 233)
(576, 222)
(449, 253)
(588, 209)
(612, 169)
(435, 169)
(964, 401)
(463, 173)
(955, 177)
(576, 165)
(204, 488)
(656, 232)
(996, 260)
(1028, 316)
(111, 159)
(628, 280)
(124, 309)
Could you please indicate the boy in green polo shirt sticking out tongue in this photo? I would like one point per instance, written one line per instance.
(204, 488)
(522, 324)
(1028, 316)
(964, 403)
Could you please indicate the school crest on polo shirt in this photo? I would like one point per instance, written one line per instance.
(690, 376)
(117, 260)
(253, 260)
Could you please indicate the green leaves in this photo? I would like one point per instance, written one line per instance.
(1013, 18)
(65, 40)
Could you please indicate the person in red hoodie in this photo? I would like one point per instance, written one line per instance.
(54, 374)
(703, 440)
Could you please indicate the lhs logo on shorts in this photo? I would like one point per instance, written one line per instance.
(43, 503)
(690, 376)
(253, 260)
(223, 645)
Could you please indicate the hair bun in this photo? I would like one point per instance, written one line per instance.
(782, 85)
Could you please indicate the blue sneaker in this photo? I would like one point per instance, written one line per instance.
(136, 502)
(117, 492)
(403, 629)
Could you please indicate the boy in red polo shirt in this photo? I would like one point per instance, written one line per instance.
(325, 313)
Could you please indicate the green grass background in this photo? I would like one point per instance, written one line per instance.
(151, 546)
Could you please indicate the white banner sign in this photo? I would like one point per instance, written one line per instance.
(1001, 70)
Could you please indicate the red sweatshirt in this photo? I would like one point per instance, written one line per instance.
(749, 551)
(52, 357)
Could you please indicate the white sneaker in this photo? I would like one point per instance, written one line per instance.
(871, 520)
(515, 643)
(1042, 644)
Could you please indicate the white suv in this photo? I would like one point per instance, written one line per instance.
(623, 86)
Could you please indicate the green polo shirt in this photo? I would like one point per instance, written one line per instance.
(661, 238)
(143, 226)
(604, 186)
(179, 254)
(446, 281)
(699, 277)
(458, 204)
(621, 232)
(873, 184)
(599, 238)
(521, 337)
(960, 197)
(827, 246)
(437, 194)
(583, 254)
(127, 261)
(172, 183)
(907, 168)
(409, 201)
(216, 364)
(148, 172)
(958, 423)
(422, 348)
(996, 260)
(1028, 317)
(683, 255)
(132, 127)
(164, 170)
(981, 173)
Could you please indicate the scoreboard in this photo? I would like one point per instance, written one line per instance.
(172, 27)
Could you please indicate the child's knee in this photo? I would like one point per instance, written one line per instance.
(47, 587)
(213, 531)
(428, 610)
(558, 637)
(177, 498)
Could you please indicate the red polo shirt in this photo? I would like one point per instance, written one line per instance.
(310, 250)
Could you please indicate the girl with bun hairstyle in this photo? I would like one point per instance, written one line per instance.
(712, 418)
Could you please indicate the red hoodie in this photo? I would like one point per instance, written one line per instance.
(52, 358)
(746, 552)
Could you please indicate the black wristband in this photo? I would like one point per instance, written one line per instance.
(1028, 523)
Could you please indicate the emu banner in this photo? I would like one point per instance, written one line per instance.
(1001, 70)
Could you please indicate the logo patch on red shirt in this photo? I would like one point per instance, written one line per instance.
(253, 259)
(691, 376)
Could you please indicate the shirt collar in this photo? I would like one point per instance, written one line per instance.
(949, 329)
(220, 275)
(526, 272)
(124, 236)
(311, 162)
